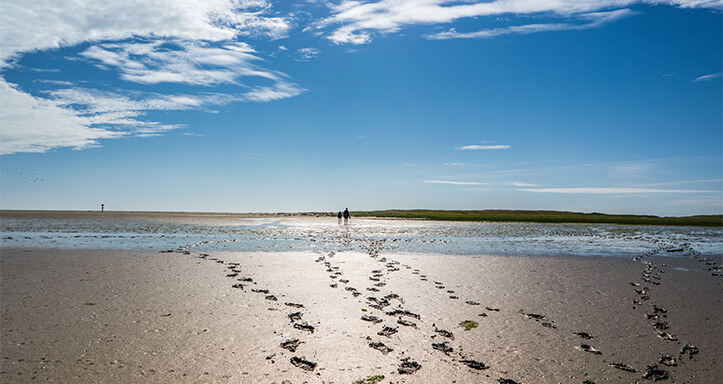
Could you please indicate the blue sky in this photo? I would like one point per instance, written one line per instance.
(261, 106)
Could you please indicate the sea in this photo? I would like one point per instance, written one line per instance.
(322, 234)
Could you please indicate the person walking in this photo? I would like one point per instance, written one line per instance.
(347, 216)
(338, 216)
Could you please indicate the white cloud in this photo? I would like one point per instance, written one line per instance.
(718, 181)
(520, 184)
(42, 24)
(124, 113)
(611, 191)
(594, 20)
(707, 77)
(452, 182)
(97, 102)
(476, 147)
(349, 36)
(79, 118)
(179, 41)
(31, 124)
(307, 53)
(54, 82)
(180, 61)
(355, 20)
(278, 91)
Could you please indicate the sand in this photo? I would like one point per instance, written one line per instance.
(86, 316)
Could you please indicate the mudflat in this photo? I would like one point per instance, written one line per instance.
(301, 317)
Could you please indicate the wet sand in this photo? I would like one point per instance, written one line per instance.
(87, 316)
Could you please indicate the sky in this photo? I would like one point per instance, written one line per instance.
(609, 106)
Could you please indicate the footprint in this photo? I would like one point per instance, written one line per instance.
(583, 335)
(406, 323)
(652, 372)
(623, 367)
(291, 344)
(372, 319)
(444, 333)
(408, 367)
(304, 327)
(387, 331)
(403, 312)
(668, 360)
(478, 365)
(379, 346)
(443, 347)
(690, 349)
(303, 363)
(589, 348)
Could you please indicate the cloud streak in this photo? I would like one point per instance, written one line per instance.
(596, 19)
(179, 61)
(710, 77)
(355, 21)
(611, 191)
(452, 182)
(476, 147)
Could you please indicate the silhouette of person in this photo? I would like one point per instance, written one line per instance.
(338, 216)
(102, 207)
(347, 216)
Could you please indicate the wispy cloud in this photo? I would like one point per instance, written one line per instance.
(180, 61)
(44, 24)
(59, 83)
(464, 165)
(703, 181)
(709, 77)
(355, 21)
(305, 54)
(452, 182)
(32, 124)
(612, 191)
(520, 184)
(278, 91)
(79, 118)
(476, 147)
(590, 20)
(187, 42)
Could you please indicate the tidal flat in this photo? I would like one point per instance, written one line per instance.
(302, 299)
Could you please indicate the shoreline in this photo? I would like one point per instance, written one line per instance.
(174, 317)
(504, 216)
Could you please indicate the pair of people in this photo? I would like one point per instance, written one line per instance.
(346, 216)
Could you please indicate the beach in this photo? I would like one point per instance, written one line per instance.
(139, 317)
(185, 315)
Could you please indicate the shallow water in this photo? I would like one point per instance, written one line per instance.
(322, 234)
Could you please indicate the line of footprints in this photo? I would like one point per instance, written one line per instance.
(392, 305)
